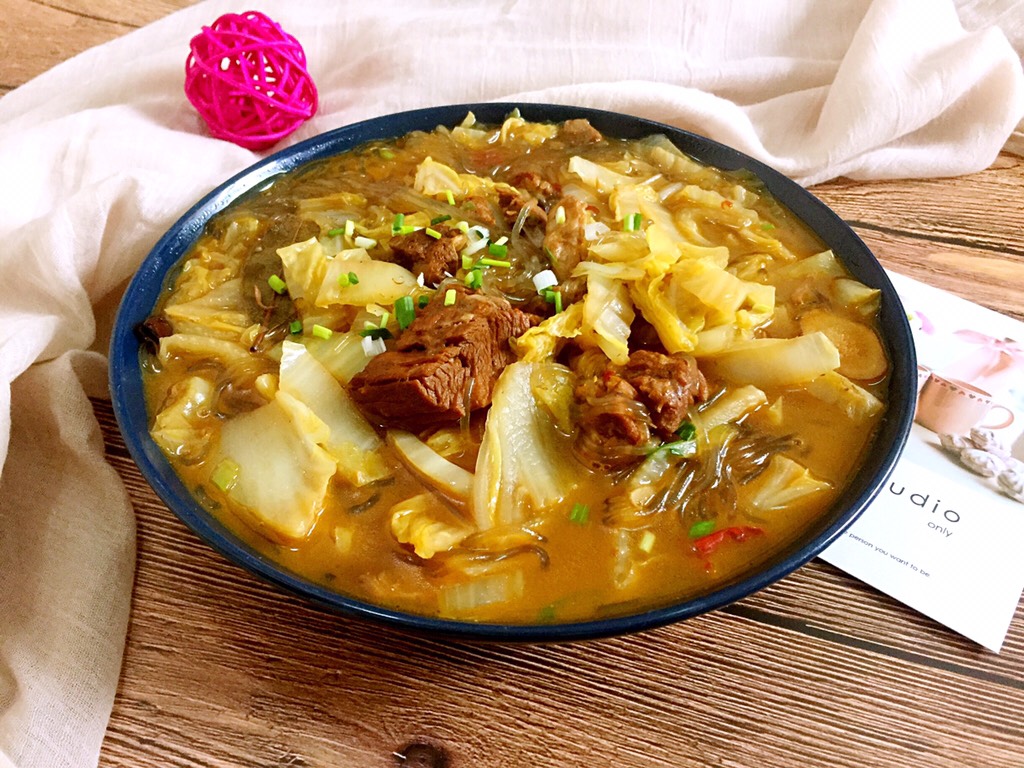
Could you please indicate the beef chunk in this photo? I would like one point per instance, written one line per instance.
(480, 210)
(579, 131)
(512, 201)
(667, 384)
(566, 243)
(622, 409)
(433, 257)
(424, 380)
(534, 184)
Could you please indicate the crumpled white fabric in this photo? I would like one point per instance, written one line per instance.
(101, 154)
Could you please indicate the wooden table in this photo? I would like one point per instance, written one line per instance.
(222, 670)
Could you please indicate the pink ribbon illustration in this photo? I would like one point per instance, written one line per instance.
(995, 358)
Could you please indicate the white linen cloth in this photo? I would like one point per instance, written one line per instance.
(103, 153)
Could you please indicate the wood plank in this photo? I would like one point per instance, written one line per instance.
(36, 36)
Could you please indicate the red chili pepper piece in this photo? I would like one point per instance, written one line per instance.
(707, 544)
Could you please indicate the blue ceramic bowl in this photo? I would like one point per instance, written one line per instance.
(143, 292)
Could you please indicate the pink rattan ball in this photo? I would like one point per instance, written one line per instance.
(247, 78)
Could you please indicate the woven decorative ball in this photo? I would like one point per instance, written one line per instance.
(247, 78)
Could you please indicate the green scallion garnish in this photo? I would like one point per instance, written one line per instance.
(687, 431)
(343, 280)
(225, 475)
(449, 197)
(353, 278)
(497, 249)
(336, 232)
(767, 226)
(579, 514)
(433, 233)
(549, 254)
(397, 223)
(632, 222)
(703, 528)
(558, 302)
(440, 219)
(277, 284)
(449, 297)
(485, 262)
(406, 229)
(405, 311)
(386, 154)
(474, 278)
(467, 262)
(295, 326)
(376, 333)
(384, 320)
(422, 301)
(322, 332)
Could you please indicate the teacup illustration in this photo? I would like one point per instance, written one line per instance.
(953, 407)
(923, 372)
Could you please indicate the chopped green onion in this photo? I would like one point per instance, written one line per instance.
(364, 242)
(433, 233)
(405, 312)
(322, 332)
(449, 297)
(397, 222)
(703, 528)
(546, 614)
(494, 263)
(386, 154)
(335, 232)
(544, 279)
(467, 262)
(580, 514)
(277, 284)
(684, 448)
(559, 215)
(558, 301)
(549, 254)
(474, 278)
(406, 229)
(497, 249)
(295, 326)
(463, 227)
(632, 222)
(344, 281)
(353, 278)
(647, 542)
(422, 301)
(384, 320)
(225, 475)
(767, 226)
(441, 219)
(687, 431)
(350, 228)
(376, 333)
(449, 197)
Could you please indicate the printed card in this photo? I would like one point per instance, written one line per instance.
(944, 535)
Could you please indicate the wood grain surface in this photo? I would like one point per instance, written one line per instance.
(818, 670)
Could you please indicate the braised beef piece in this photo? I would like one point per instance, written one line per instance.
(623, 409)
(424, 380)
(481, 210)
(512, 202)
(433, 257)
(614, 429)
(566, 243)
(579, 131)
(667, 384)
(533, 183)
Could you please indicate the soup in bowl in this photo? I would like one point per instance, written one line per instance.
(515, 372)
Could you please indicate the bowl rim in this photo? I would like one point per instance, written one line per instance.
(147, 283)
